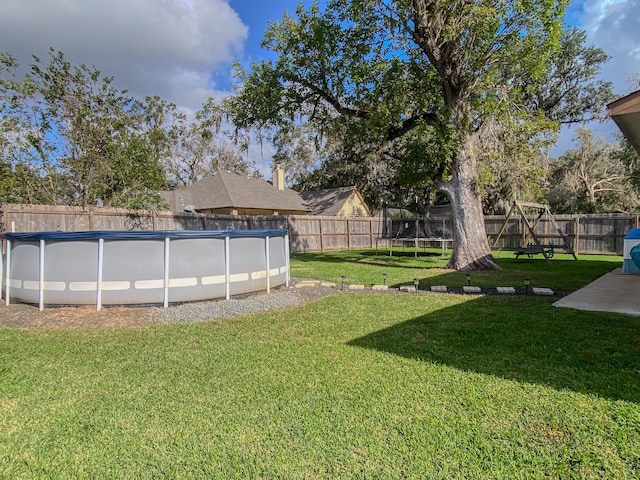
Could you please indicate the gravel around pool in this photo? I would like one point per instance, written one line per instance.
(28, 316)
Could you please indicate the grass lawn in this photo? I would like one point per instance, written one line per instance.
(352, 386)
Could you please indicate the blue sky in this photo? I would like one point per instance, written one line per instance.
(183, 50)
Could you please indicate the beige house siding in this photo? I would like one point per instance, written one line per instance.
(354, 207)
(340, 201)
(250, 211)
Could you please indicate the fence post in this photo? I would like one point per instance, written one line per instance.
(348, 236)
(91, 220)
(576, 235)
(321, 236)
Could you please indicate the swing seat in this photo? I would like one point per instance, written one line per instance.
(532, 249)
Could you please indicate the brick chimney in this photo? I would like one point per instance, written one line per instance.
(278, 177)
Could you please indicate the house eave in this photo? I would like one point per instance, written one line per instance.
(625, 112)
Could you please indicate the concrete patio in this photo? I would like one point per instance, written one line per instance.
(613, 292)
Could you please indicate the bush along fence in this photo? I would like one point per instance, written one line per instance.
(588, 234)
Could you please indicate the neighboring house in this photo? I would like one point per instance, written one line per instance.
(340, 202)
(626, 113)
(231, 193)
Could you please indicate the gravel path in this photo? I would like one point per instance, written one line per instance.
(203, 311)
(28, 316)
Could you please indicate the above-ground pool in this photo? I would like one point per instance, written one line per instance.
(140, 267)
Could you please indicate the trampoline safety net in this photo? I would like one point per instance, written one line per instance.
(432, 222)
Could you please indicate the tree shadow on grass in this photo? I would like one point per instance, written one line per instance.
(522, 339)
(399, 260)
(564, 274)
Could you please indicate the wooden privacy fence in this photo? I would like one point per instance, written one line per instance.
(40, 218)
(310, 233)
(588, 234)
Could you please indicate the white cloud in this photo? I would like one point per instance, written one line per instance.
(168, 48)
(614, 26)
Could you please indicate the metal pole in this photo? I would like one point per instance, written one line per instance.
(268, 272)
(6, 274)
(41, 277)
(99, 279)
(227, 270)
(286, 259)
(166, 272)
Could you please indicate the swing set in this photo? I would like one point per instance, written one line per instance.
(533, 244)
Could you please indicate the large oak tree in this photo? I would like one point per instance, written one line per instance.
(371, 72)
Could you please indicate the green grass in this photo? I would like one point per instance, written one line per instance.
(352, 386)
(367, 267)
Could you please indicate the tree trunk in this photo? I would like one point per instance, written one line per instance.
(471, 250)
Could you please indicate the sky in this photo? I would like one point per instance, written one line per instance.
(184, 50)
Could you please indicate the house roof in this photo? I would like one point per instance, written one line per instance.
(330, 201)
(626, 113)
(224, 189)
(178, 200)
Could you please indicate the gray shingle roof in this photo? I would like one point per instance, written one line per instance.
(177, 200)
(230, 190)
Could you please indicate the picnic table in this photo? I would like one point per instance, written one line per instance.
(534, 249)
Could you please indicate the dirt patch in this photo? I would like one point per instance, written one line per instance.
(28, 316)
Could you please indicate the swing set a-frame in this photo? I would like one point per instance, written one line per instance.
(535, 247)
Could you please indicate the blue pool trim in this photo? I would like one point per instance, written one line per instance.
(140, 234)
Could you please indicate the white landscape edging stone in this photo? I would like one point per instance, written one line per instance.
(469, 289)
(542, 291)
(439, 288)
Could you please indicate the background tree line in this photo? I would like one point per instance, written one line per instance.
(68, 136)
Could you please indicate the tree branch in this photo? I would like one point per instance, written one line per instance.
(428, 117)
(327, 97)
